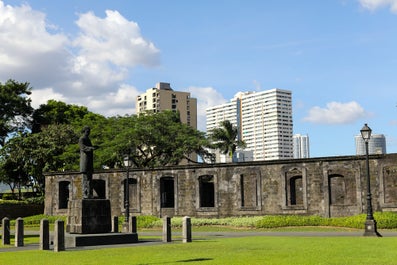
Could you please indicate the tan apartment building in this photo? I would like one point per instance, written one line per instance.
(163, 97)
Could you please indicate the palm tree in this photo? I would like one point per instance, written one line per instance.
(225, 138)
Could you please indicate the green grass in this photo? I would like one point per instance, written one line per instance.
(244, 250)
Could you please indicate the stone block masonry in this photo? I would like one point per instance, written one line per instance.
(327, 186)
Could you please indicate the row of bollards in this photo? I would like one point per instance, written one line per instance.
(59, 232)
(44, 244)
(186, 229)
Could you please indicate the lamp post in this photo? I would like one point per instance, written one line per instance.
(370, 223)
(127, 164)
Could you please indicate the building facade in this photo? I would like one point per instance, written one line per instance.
(376, 144)
(327, 186)
(264, 121)
(301, 146)
(163, 97)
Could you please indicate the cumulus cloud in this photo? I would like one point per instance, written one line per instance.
(336, 113)
(90, 69)
(206, 97)
(41, 96)
(376, 4)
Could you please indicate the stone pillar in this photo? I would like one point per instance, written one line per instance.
(44, 234)
(59, 236)
(132, 225)
(19, 232)
(166, 229)
(115, 224)
(5, 224)
(186, 230)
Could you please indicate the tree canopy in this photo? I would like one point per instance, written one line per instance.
(15, 108)
(51, 144)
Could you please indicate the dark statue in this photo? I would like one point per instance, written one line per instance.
(86, 162)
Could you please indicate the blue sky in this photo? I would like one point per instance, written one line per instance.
(338, 57)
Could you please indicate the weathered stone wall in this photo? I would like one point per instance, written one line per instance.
(330, 186)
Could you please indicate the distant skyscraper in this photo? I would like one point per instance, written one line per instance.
(301, 146)
(264, 121)
(376, 144)
(163, 97)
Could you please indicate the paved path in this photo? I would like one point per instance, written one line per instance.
(154, 238)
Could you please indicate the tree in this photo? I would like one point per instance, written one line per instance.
(25, 157)
(57, 112)
(12, 163)
(15, 108)
(225, 138)
(156, 139)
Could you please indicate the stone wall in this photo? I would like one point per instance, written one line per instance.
(329, 186)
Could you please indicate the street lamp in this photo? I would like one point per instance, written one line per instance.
(127, 164)
(370, 223)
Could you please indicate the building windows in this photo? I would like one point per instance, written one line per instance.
(63, 194)
(167, 192)
(207, 191)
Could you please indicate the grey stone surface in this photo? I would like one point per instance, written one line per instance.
(89, 216)
(5, 228)
(327, 186)
(59, 236)
(186, 229)
(167, 229)
(44, 243)
(19, 234)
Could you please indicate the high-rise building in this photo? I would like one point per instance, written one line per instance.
(301, 146)
(376, 144)
(264, 121)
(163, 97)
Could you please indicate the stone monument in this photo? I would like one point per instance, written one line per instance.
(88, 215)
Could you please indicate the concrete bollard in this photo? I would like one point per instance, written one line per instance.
(186, 230)
(115, 224)
(59, 236)
(44, 234)
(133, 224)
(19, 232)
(5, 224)
(166, 229)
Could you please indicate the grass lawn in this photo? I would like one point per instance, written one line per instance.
(236, 250)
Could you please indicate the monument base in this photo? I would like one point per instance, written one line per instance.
(89, 216)
(74, 240)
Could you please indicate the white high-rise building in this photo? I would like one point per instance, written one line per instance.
(301, 146)
(376, 144)
(264, 120)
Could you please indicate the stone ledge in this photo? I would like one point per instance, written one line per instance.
(78, 240)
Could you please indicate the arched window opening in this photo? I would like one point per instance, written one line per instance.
(167, 191)
(63, 194)
(207, 191)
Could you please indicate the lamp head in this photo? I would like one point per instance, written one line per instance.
(366, 133)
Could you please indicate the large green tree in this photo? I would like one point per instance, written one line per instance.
(225, 138)
(157, 139)
(25, 157)
(57, 112)
(15, 108)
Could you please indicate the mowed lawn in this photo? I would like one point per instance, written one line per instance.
(236, 250)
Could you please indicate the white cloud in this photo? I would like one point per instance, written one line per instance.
(336, 113)
(118, 103)
(376, 4)
(90, 69)
(206, 97)
(41, 96)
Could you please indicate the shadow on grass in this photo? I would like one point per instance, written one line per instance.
(194, 260)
